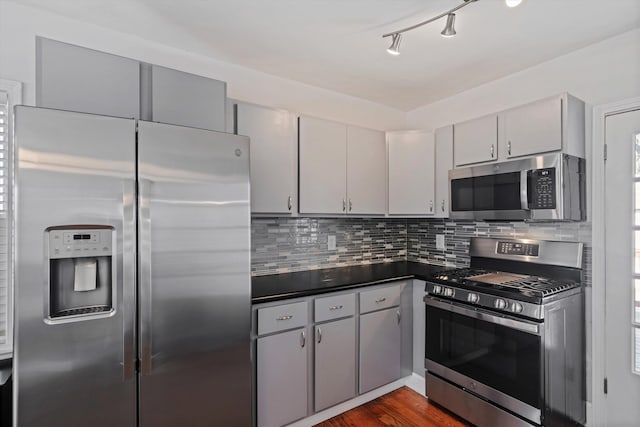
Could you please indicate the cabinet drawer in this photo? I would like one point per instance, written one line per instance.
(380, 298)
(282, 317)
(335, 307)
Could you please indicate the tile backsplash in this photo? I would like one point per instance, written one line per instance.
(296, 244)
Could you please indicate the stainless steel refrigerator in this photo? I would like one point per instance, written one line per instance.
(132, 273)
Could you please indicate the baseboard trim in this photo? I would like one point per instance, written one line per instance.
(414, 382)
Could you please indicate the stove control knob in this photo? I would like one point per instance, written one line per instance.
(516, 307)
(448, 292)
(473, 298)
(500, 304)
(437, 289)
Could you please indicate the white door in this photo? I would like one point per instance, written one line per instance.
(323, 166)
(366, 171)
(622, 196)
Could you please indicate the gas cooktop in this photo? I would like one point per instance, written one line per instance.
(510, 285)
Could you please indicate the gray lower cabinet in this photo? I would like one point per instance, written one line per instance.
(335, 362)
(380, 348)
(282, 378)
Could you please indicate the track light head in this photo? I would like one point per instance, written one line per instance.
(513, 3)
(394, 49)
(449, 29)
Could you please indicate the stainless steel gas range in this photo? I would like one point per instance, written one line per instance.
(505, 338)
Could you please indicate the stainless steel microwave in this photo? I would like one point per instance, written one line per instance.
(544, 188)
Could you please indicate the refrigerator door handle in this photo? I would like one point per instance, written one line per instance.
(144, 266)
(127, 289)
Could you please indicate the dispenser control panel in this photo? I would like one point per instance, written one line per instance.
(79, 243)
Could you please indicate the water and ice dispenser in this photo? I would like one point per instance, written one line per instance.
(81, 277)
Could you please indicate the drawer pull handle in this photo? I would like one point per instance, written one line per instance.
(319, 335)
(399, 316)
(303, 339)
(379, 300)
(284, 317)
(336, 307)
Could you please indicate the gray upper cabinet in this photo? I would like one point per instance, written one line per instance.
(74, 78)
(274, 157)
(342, 169)
(366, 171)
(282, 381)
(550, 124)
(411, 173)
(323, 166)
(186, 99)
(380, 348)
(335, 362)
(476, 141)
(444, 162)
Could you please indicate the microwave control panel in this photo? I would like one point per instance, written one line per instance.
(542, 188)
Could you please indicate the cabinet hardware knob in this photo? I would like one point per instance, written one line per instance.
(379, 300)
(350, 205)
(492, 150)
(319, 335)
(288, 317)
(509, 148)
(399, 316)
(430, 205)
(289, 203)
(303, 339)
(442, 205)
(344, 205)
(336, 307)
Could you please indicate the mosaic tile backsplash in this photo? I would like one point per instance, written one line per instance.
(295, 244)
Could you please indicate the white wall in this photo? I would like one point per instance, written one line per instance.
(19, 25)
(600, 73)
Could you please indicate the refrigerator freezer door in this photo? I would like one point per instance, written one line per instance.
(77, 170)
(194, 277)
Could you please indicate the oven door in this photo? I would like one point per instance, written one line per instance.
(497, 358)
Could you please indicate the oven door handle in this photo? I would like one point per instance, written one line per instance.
(521, 325)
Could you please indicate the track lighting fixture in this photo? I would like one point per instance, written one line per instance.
(394, 49)
(449, 29)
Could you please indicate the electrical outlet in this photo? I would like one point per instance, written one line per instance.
(440, 242)
(331, 243)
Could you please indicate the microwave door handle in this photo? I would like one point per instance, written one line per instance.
(524, 185)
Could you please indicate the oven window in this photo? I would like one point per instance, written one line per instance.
(486, 193)
(500, 357)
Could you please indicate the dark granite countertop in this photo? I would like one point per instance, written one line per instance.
(276, 287)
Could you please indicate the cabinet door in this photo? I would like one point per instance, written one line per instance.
(281, 378)
(335, 362)
(380, 348)
(534, 128)
(74, 78)
(476, 141)
(444, 162)
(366, 171)
(411, 173)
(323, 166)
(186, 99)
(274, 163)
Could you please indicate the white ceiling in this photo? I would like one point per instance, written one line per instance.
(337, 44)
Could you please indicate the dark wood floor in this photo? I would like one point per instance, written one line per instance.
(400, 408)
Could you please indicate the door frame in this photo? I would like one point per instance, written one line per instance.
(597, 412)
